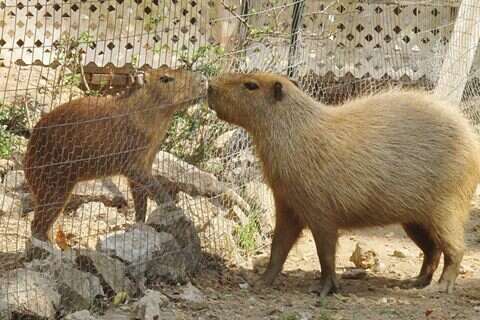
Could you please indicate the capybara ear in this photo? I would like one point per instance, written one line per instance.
(278, 91)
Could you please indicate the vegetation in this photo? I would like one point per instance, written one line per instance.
(247, 234)
(13, 125)
(192, 129)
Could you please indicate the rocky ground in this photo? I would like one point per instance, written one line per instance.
(231, 292)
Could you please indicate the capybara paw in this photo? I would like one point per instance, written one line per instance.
(266, 279)
(33, 252)
(446, 285)
(416, 283)
(442, 286)
(325, 287)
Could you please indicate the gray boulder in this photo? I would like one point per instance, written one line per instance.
(182, 228)
(146, 251)
(28, 293)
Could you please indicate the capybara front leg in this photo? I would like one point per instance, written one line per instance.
(140, 197)
(431, 255)
(287, 230)
(326, 242)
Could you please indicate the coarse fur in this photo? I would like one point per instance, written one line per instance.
(95, 137)
(399, 157)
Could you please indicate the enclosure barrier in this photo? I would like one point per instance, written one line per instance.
(53, 52)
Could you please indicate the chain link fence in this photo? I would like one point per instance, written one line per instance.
(96, 160)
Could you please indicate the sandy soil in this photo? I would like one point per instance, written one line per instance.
(231, 292)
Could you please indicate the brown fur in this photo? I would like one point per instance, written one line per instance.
(96, 137)
(400, 157)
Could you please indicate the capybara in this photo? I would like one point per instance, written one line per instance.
(399, 157)
(95, 137)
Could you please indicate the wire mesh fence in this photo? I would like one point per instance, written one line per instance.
(138, 180)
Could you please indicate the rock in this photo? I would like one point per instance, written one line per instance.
(261, 261)
(46, 249)
(28, 293)
(230, 198)
(14, 180)
(241, 167)
(5, 165)
(146, 250)
(111, 270)
(379, 267)
(192, 294)
(182, 228)
(363, 259)
(112, 191)
(118, 314)
(80, 315)
(219, 240)
(224, 140)
(200, 209)
(243, 285)
(187, 177)
(354, 274)
(79, 289)
(120, 298)
(148, 307)
(239, 141)
(236, 214)
(214, 166)
(262, 197)
(464, 269)
(12, 207)
(26, 202)
(399, 254)
(91, 220)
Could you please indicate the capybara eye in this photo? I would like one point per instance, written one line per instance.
(251, 85)
(166, 79)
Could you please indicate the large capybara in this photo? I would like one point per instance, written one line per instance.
(95, 137)
(397, 157)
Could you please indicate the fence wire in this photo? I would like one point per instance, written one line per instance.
(141, 141)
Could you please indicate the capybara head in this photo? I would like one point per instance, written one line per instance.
(246, 99)
(172, 86)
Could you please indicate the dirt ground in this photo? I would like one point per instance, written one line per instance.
(231, 293)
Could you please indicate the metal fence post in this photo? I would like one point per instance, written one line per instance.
(296, 21)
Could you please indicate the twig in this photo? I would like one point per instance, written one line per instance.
(82, 72)
(236, 15)
(27, 114)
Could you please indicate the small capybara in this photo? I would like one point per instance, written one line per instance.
(399, 157)
(95, 137)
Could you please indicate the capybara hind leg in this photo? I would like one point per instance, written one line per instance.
(431, 255)
(47, 209)
(287, 230)
(326, 243)
(140, 197)
(453, 247)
